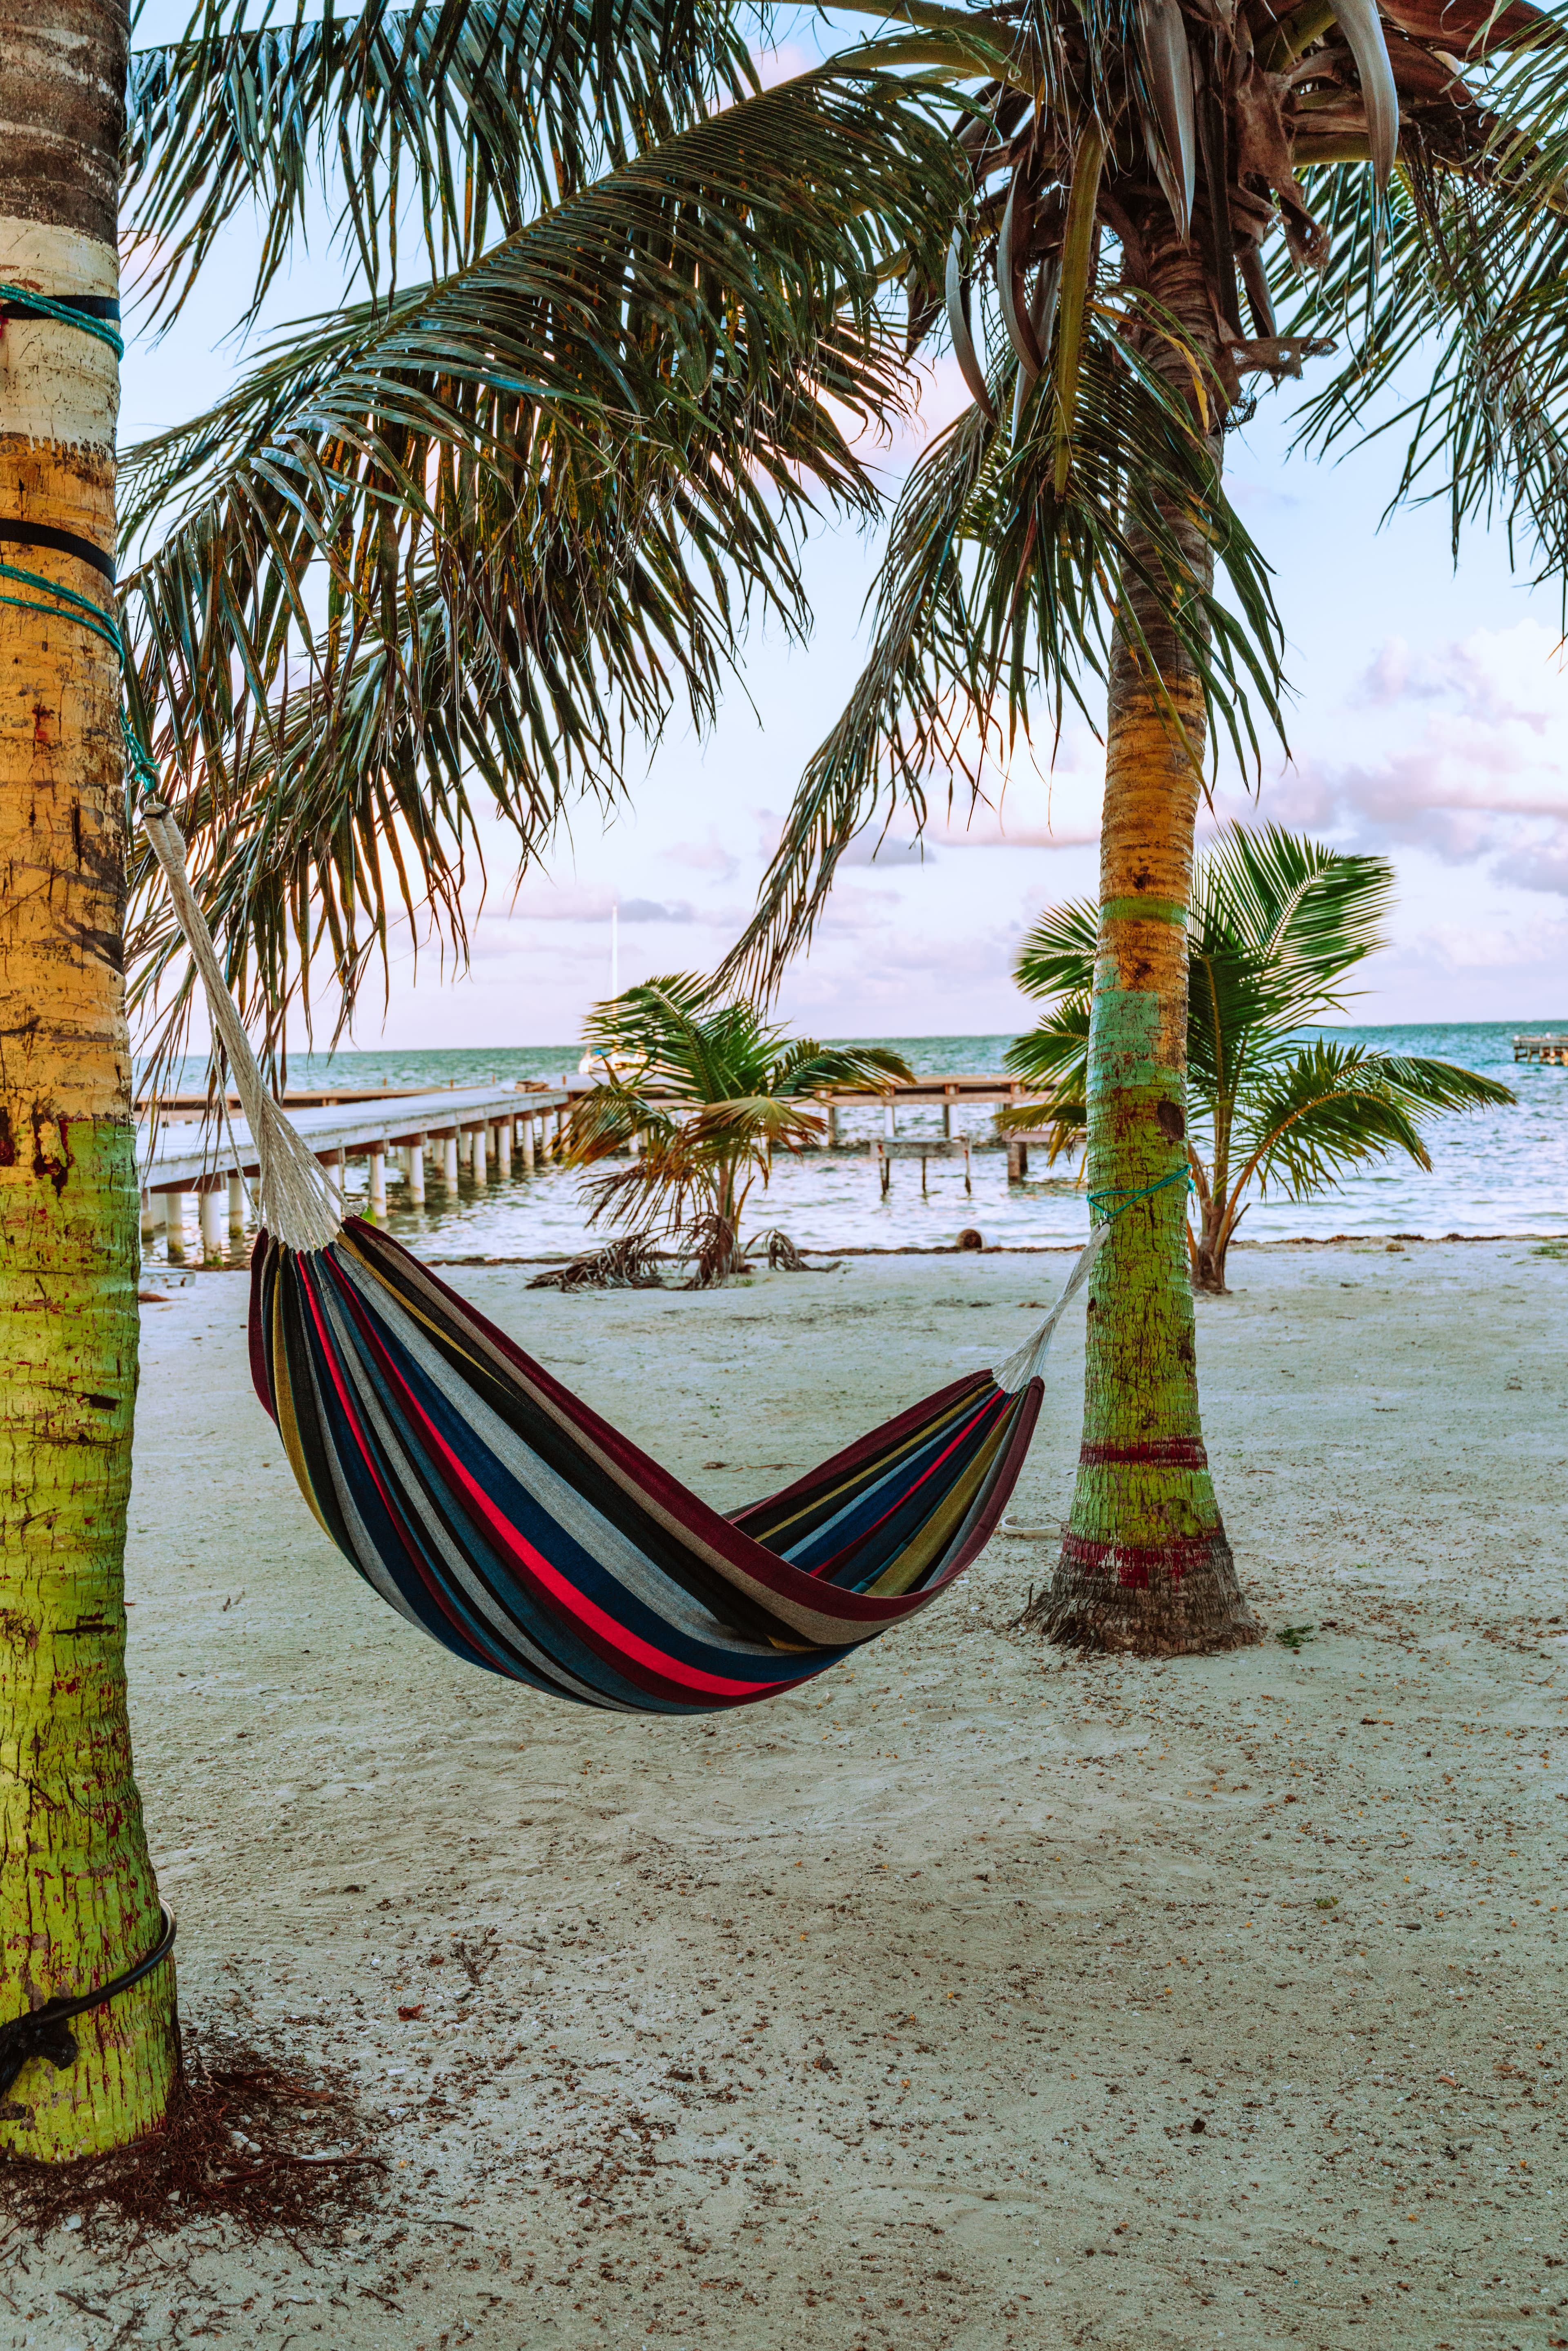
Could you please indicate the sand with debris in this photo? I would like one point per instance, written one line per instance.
(973, 1997)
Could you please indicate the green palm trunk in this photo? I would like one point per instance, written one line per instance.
(79, 1904)
(1144, 1564)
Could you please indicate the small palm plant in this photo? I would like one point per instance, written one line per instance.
(703, 1091)
(1277, 922)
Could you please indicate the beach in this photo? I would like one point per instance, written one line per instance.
(978, 1995)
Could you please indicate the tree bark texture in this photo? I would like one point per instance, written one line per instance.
(78, 1902)
(1144, 1565)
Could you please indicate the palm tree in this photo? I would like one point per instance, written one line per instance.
(1275, 923)
(438, 554)
(704, 1092)
(1149, 181)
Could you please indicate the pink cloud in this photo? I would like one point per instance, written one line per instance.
(1479, 778)
(709, 856)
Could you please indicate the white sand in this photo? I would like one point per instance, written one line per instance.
(886, 2014)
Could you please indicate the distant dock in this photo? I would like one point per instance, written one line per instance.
(1552, 1048)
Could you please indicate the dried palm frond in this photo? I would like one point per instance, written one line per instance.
(712, 1248)
(625, 1264)
(783, 1257)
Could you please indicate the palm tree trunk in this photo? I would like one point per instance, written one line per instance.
(78, 1902)
(1209, 1246)
(1144, 1565)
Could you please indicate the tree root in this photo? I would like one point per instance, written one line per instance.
(1188, 1606)
(233, 2145)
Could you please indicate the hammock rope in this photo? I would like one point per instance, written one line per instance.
(495, 1510)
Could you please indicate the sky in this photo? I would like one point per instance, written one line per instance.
(1429, 722)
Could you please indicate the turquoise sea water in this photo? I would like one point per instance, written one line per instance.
(1501, 1172)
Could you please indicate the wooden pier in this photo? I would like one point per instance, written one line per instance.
(427, 1136)
(1545, 1048)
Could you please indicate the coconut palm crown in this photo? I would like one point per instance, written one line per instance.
(441, 551)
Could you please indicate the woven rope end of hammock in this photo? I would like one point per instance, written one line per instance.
(298, 1203)
(1023, 1364)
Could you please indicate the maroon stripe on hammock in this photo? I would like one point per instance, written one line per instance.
(1134, 1565)
(1165, 1452)
(865, 1449)
(261, 1375)
(706, 1524)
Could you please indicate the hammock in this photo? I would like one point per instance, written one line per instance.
(494, 1509)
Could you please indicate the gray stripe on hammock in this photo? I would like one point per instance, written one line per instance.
(604, 1542)
(413, 1498)
(364, 1551)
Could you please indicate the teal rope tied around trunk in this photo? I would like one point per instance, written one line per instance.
(1129, 1198)
(44, 306)
(65, 602)
(67, 605)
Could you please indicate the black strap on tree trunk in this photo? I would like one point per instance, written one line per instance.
(84, 306)
(43, 2031)
(63, 542)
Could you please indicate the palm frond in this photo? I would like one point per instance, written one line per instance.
(1311, 912)
(1334, 1107)
(996, 595)
(1054, 1058)
(472, 537)
(1277, 922)
(468, 113)
(1463, 298)
(1056, 958)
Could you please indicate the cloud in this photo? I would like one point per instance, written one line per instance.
(568, 902)
(650, 910)
(987, 829)
(1484, 779)
(885, 850)
(554, 901)
(709, 856)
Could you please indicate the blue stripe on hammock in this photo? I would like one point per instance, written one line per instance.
(843, 1532)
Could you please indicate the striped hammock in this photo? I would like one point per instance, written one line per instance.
(493, 1508)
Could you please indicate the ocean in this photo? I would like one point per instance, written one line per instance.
(1501, 1172)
